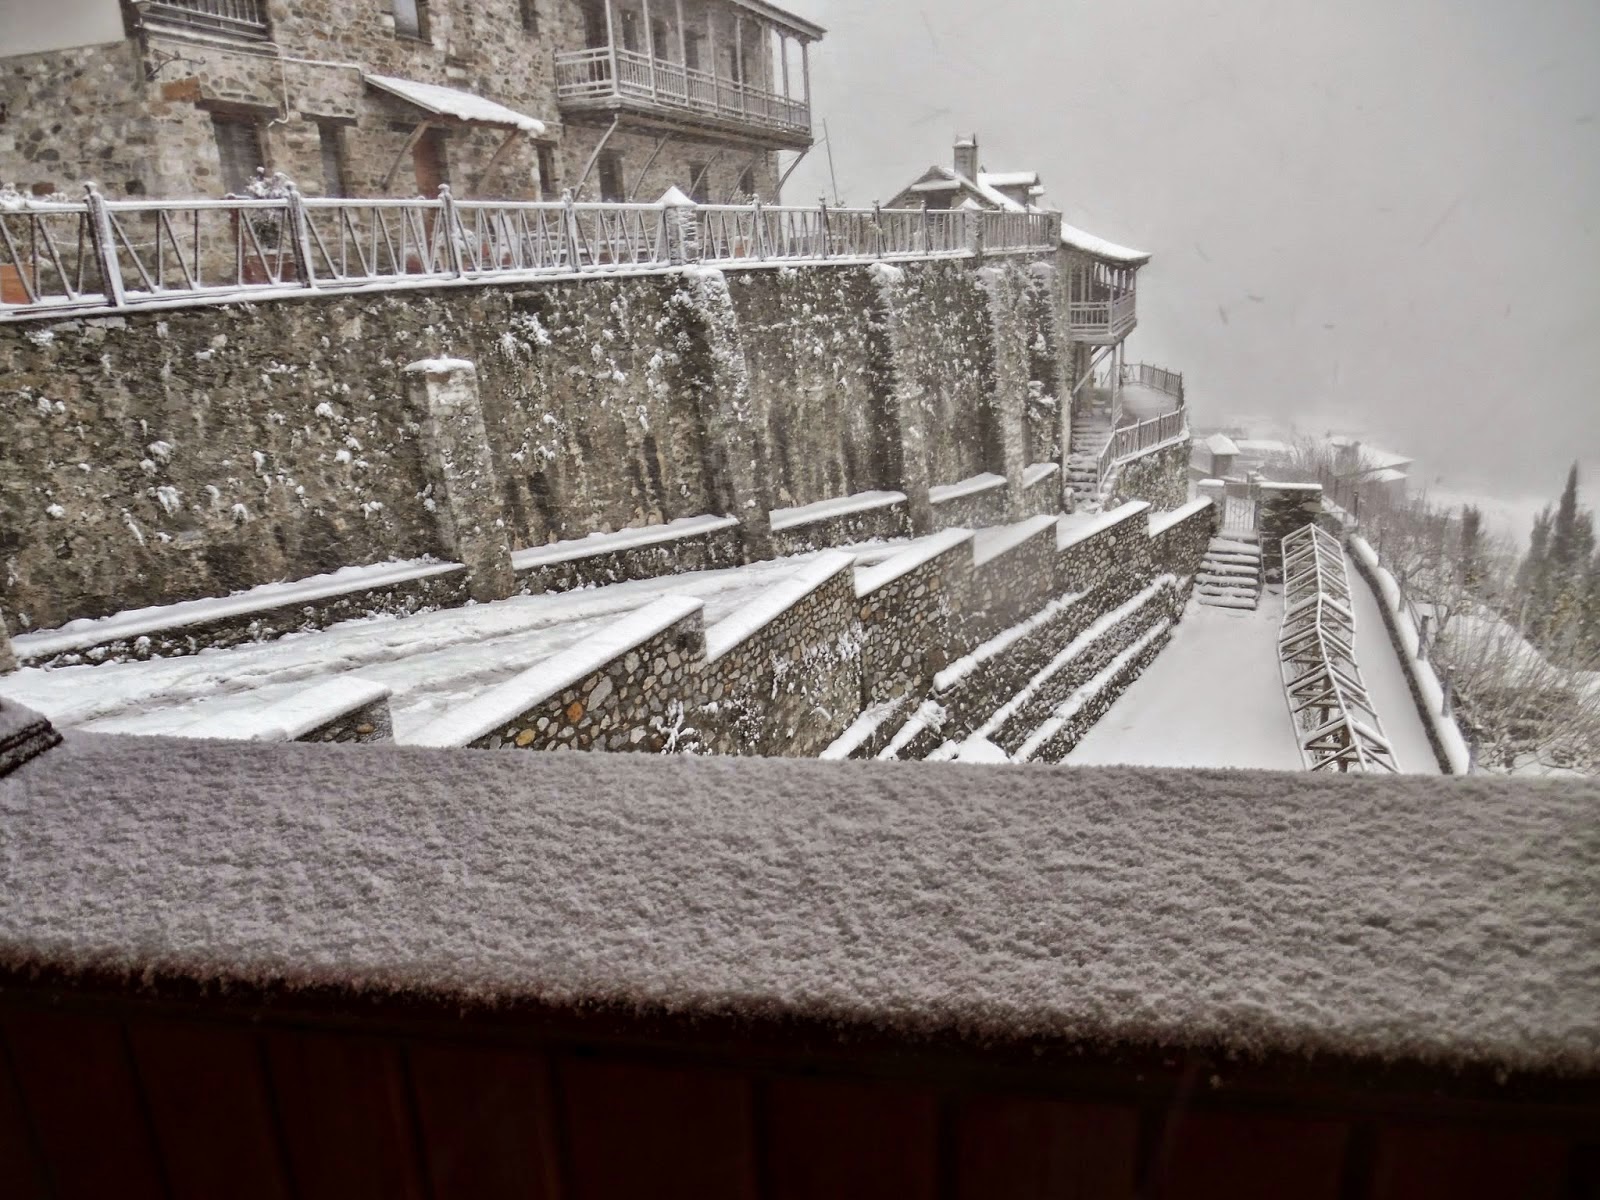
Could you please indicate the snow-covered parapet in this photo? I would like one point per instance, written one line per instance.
(1449, 746)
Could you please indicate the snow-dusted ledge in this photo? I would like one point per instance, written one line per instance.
(483, 714)
(1037, 473)
(1161, 522)
(1071, 530)
(989, 544)
(138, 622)
(863, 728)
(773, 603)
(295, 716)
(943, 493)
(621, 539)
(825, 510)
(898, 565)
(1448, 744)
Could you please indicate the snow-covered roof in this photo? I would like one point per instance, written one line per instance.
(1386, 475)
(454, 103)
(1220, 443)
(1098, 247)
(1444, 921)
(1002, 179)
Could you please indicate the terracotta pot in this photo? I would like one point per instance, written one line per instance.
(11, 289)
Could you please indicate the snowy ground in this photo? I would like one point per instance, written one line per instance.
(1214, 698)
(1211, 698)
(1387, 685)
(431, 661)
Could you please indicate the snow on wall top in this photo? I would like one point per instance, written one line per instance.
(1079, 239)
(452, 102)
(1403, 918)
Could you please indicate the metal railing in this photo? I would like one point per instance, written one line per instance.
(1336, 725)
(1134, 441)
(104, 255)
(242, 18)
(611, 72)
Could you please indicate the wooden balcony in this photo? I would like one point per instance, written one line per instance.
(1101, 308)
(612, 79)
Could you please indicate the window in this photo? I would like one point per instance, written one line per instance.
(411, 18)
(239, 148)
(594, 25)
(530, 16)
(428, 160)
(658, 34)
(699, 183)
(611, 176)
(747, 183)
(548, 189)
(691, 50)
(335, 178)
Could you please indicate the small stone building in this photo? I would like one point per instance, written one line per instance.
(516, 99)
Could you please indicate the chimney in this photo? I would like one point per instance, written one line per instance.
(967, 156)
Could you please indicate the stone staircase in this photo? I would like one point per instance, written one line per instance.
(1230, 573)
(1090, 433)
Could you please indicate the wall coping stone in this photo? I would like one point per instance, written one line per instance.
(823, 510)
(483, 714)
(990, 544)
(1070, 534)
(87, 632)
(942, 493)
(773, 603)
(870, 579)
(1037, 473)
(594, 544)
(294, 716)
(1161, 522)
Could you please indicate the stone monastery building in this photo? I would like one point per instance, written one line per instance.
(511, 99)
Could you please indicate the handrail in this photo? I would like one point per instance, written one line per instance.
(105, 255)
(611, 71)
(1336, 725)
(1134, 441)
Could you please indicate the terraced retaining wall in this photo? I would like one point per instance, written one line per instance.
(160, 457)
(954, 620)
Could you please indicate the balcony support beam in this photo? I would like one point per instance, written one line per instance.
(611, 48)
(650, 45)
(683, 48)
(805, 69)
(783, 59)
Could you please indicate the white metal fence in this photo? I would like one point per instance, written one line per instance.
(106, 255)
(1336, 725)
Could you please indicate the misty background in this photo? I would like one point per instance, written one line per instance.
(1372, 216)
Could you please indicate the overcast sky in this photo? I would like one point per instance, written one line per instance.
(1372, 213)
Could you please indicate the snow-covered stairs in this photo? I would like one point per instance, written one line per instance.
(1230, 573)
(1090, 433)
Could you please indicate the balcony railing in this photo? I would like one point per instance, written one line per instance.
(1128, 442)
(108, 255)
(240, 18)
(604, 74)
(1103, 319)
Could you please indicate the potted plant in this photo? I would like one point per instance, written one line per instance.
(276, 262)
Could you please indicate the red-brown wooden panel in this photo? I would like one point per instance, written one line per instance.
(486, 1122)
(636, 1130)
(1424, 1162)
(83, 1100)
(345, 1114)
(1245, 1156)
(840, 1138)
(1013, 1148)
(21, 1169)
(207, 1099)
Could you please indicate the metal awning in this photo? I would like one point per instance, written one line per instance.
(456, 105)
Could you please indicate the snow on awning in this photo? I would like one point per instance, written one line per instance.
(1081, 240)
(1002, 179)
(455, 104)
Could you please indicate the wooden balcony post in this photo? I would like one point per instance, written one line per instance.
(650, 47)
(711, 44)
(783, 60)
(738, 56)
(683, 50)
(805, 70)
(611, 50)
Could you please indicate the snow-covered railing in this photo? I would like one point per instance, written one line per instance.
(1101, 302)
(1336, 725)
(603, 74)
(107, 255)
(1167, 382)
(1133, 441)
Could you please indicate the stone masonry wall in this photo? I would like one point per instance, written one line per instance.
(1160, 477)
(792, 681)
(167, 456)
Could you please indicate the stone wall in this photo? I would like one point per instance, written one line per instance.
(1160, 477)
(1017, 629)
(1281, 508)
(166, 456)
